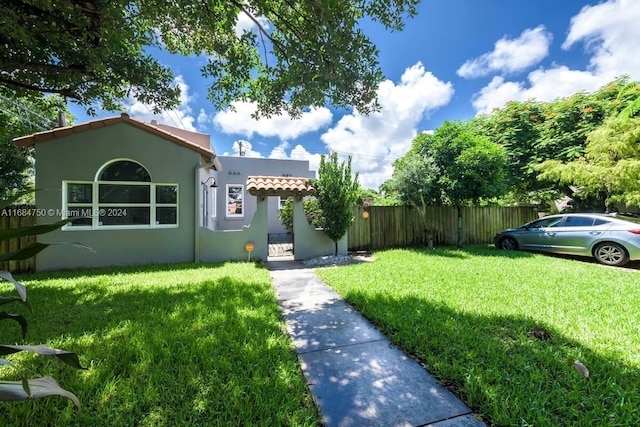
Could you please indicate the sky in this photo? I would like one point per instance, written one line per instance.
(454, 60)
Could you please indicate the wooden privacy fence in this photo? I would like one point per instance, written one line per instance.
(381, 227)
(14, 217)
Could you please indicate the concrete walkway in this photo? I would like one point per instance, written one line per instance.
(357, 377)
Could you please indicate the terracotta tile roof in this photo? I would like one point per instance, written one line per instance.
(279, 186)
(53, 134)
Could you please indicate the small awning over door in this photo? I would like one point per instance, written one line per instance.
(283, 186)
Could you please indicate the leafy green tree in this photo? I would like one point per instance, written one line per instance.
(311, 211)
(533, 132)
(610, 169)
(97, 51)
(516, 128)
(14, 163)
(337, 192)
(415, 182)
(20, 116)
(377, 198)
(629, 96)
(469, 166)
(569, 121)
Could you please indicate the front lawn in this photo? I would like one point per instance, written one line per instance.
(478, 320)
(165, 346)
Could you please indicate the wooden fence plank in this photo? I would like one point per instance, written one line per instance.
(401, 226)
(14, 217)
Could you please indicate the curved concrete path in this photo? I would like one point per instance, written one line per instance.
(357, 377)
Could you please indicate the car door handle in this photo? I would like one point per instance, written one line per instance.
(549, 233)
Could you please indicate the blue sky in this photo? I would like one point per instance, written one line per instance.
(456, 59)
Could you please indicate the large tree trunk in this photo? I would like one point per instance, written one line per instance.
(459, 227)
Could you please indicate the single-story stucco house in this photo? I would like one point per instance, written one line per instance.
(141, 194)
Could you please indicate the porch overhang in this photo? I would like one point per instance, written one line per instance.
(283, 186)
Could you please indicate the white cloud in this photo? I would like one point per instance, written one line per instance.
(560, 82)
(610, 33)
(279, 151)
(543, 85)
(180, 117)
(510, 55)
(301, 153)
(497, 93)
(375, 141)
(282, 126)
(246, 147)
(203, 118)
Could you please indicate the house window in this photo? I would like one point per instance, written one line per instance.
(78, 203)
(166, 204)
(122, 196)
(235, 200)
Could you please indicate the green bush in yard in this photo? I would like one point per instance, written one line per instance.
(311, 211)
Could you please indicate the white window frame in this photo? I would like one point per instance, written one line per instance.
(155, 205)
(242, 201)
(94, 208)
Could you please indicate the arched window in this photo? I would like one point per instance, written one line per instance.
(122, 196)
(124, 170)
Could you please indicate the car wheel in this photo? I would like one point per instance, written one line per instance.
(610, 253)
(508, 243)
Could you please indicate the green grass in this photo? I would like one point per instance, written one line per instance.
(165, 346)
(468, 316)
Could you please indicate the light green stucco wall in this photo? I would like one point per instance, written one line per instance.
(309, 242)
(79, 157)
(229, 245)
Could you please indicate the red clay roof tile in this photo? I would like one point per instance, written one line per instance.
(279, 186)
(49, 135)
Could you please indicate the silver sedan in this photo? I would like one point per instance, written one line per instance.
(612, 239)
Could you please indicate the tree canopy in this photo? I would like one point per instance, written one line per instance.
(453, 166)
(414, 182)
(469, 166)
(629, 96)
(533, 132)
(610, 169)
(301, 54)
(584, 146)
(20, 116)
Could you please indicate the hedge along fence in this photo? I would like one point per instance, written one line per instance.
(15, 217)
(382, 227)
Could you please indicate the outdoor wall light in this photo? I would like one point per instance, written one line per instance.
(213, 185)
